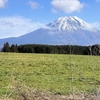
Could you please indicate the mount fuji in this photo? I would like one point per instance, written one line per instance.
(63, 31)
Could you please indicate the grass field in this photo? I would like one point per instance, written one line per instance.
(56, 73)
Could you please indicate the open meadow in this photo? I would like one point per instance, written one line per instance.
(55, 73)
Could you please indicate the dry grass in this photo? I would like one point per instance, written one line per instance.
(25, 93)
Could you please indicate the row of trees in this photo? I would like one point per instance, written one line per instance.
(8, 48)
(53, 49)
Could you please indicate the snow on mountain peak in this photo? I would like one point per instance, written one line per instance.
(70, 23)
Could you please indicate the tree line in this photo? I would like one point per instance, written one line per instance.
(52, 49)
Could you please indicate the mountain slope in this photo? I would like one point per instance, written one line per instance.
(64, 30)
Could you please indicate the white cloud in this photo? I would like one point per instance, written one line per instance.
(3, 3)
(97, 0)
(67, 6)
(17, 26)
(33, 5)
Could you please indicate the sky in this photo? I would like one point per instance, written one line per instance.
(19, 17)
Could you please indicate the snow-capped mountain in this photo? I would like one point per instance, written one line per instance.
(63, 31)
(70, 24)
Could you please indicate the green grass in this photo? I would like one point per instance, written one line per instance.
(50, 72)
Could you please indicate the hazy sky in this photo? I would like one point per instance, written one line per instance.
(18, 17)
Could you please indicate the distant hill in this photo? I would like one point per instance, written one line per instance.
(63, 31)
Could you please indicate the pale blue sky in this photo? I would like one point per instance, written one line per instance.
(18, 17)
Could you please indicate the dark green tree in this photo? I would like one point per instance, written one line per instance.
(95, 49)
(14, 48)
(6, 47)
